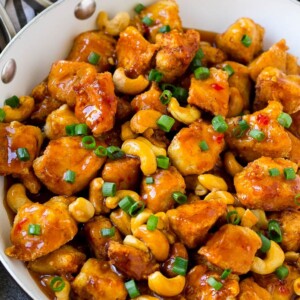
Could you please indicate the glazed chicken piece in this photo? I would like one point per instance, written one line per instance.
(212, 55)
(295, 127)
(275, 141)
(57, 121)
(191, 222)
(187, 156)
(131, 261)
(39, 229)
(231, 41)
(14, 138)
(124, 110)
(97, 280)
(134, 52)
(232, 247)
(256, 189)
(97, 42)
(295, 152)
(250, 290)
(63, 155)
(197, 287)
(176, 51)
(291, 65)
(97, 242)
(273, 84)
(158, 195)
(211, 94)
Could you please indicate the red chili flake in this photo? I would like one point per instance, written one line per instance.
(218, 138)
(217, 87)
(19, 225)
(262, 119)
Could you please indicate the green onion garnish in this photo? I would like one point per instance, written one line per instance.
(34, 229)
(265, 243)
(274, 172)
(240, 130)
(282, 272)
(296, 199)
(136, 208)
(88, 142)
(2, 115)
(285, 120)
(201, 73)
(109, 189)
(274, 231)
(165, 97)
(219, 124)
(289, 173)
(246, 40)
(57, 284)
(165, 123)
(257, 135)
(100, 151)
(152, 222)
(181, 94)
(23, 154)
(149, 180)
(70, 129)
(229, 69)
(203, 146)
(233, 217)
(132, 289)
(214, 283)
(13, 102)
(180, 266)
(225, 274)
(147, 21)
(108, 232)
(126, 203)
(69, 176)
(165, 29)
(155, 75)
(163, 162)
(94, 58)
(179, 197)
(114, 152)
(139, 7)
(81, 129)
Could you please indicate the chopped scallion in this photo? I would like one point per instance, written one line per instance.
(257, 135)
(296, 199)
(13, 101)
(139, 7)
(114, 152)
(164, 29)
(149, 180)
(100, 151)
(179, 197)
(233, 217)
(57, 284)
(88, 142)
(136, 208)
(94, 58)
(282, 272)
(201, 73)
(132, 289)
(219, 124)
(225, 274)
(165, 123)
(23, 154)
(246, 40)
(34, 229)
(229, 69)
(152, 222)
(165, 97)
(214, 283)
(109, 189)
(69, 176)
(2, 115)
(285, 120)
(240, 130)
(126, 203)
(180, 266)
(289, 173)
(163, 162)
(265, 243)
(70, 129)
(274, 231)
(147, 21)
(108, 232)
(274, 172)
(155, 75)
(203, 146)
(81, 129)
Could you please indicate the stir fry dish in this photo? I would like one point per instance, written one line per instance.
(158, 162)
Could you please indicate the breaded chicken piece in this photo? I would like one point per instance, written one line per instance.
(124, 110)
(295, 152)
(273, 84)
(291, 65)
(158, 195)
(176, 51)
(191, 222)
(54, 222)
(131, 261)
(275, 141)
(197, 286)
(134, 52)
(186, 154)
(232, 247)
(13, 137)
(97, 280)
(97, 42)
(212, 55)
(62, 155)
(211, 94)
(231, 40)
(295, 127)
(250, 290)
(256, 189)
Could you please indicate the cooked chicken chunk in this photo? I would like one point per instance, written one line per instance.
(291, 65)
(231, 41)
(274, 141)
(158, 196)
(97, 280)
(97, 42)
(250, 290)
(124, 110)
(295, 127)
(15, 138)
(211, 94)
(212, 55)
(63, 155)
(186, 154)
(177, 50)
(232, 247)
(191, 222)
(131, 261)
(295, 152)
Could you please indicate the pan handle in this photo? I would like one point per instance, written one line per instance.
(6, 26)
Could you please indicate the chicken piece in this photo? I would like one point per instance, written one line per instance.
(124, 172)
(96, 103)
(191, 222)
(131, 261)
(291, 65)
(134, 52)
(232, 247)
(97, 42)
(212, 55)
(275, 141)
(295, 127)
(52, 227)
(250, 290)
(197, 287)
(97, 242)
(177, 50)
(62, 155)
(158, 196)
(65, 260)
(295, 152)
(211, 94)
(256, 189)
(124, 110)
(273, 84)
(187, 156)
(97, 280)
(231, 40)
(57, 121)
(275, 57)
(65, 75)
(14, 137)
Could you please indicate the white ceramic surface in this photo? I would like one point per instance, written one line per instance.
(50, 36)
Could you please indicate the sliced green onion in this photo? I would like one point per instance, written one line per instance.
(126, 203)
(94, 58)
(139, 7)
(147, 21)
(197, 60)
(165, 97)
(69, 176)
(285, 120)
(274, 231)
(109, 189)
(165, 29)
(2, 115)
(163, 162)
(203, 146)
(246, 40)
(225, 274)
(57, 284)
(282, 272)
(165, 123)
(181, 94)
(100, 151)
(233, 217)
(13, 102)
(23, 154)
(229, 69)
(219, 124)
(114, 152)
(81, 129)
(201, 73)
(132, 289)
(149, 180)
(155, 75)
(34, 229)
(214, 283)
(152, 222)
(136, 208)
(70, 129)
(180, 266)
(88, 142)
(265, 243)
(239, 131)
(289, 173)
(108, 232)
(296, 199)
(257, 135)
(179, 197)
(274, 172)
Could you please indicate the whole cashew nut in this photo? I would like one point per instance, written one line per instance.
(213, 182)
(126, 132)
(112, 202)
(96, 197)
(114, 26)
(157, 150)
(16, 197)
(223, 196)
(81, 210)
(132, 241)
(236, 103)
(121, 220)
(144, 119)
(64, 294)
(140, 219)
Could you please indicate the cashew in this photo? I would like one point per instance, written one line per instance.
(132, 241)
(200, 190)
(126, 85)
(16, 197)
(115, 25)
(20, 113)
(186, 115)
(213, 182)
(144, 152)
(140, 219)
(296, 286)
(262, 218)
(224, 196)
(126, 132)
(121, 220)
(249, 219)
(146, 297)
(81, 210)
(64, 294)
(231, 164)
(163, 286)
(31, 182)
(157, 150)
(144, 119)
(112, 202)
(236, 103)
(96, 197)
